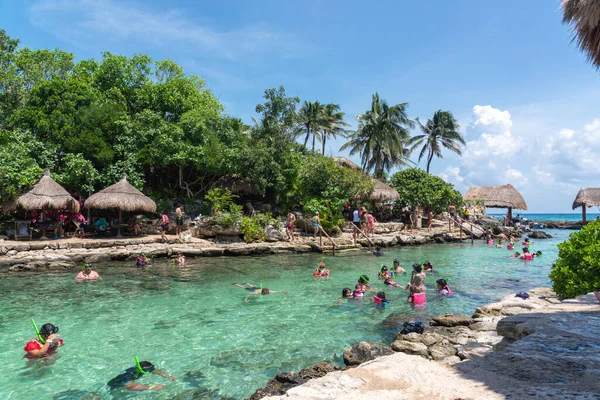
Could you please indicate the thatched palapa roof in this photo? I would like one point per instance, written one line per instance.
(505, 196)
(344, 162)
(584, 18)
(588, 197)
(121, 196)
(383, 191)
(44, 195)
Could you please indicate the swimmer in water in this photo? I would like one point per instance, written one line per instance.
(127, 379)
(321, 271)
(380, 300)
(87, 273)
(443, 287)
(141, 261)
(516, 255)
(397, 268)
(378, 252)
(37, 349)
(537, 254)
(346, 294)
(427, 266)
(257, 290)
(363, 281)
(180, 259)
(384, 273)
(359, 292)
(390, 282)
(526, 255)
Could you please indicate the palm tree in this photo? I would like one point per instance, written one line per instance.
(584, 18)
(333, 123)
(441, 131)
(311, 121)
(382, 137)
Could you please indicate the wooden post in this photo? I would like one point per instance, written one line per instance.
(583, 212)
(119, 236)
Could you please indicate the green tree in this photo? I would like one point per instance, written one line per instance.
(278, 117)
(382, 137)
(333, 125)
(577, 268)
(418, 188)
(18, 168)
(439, 132)
(311, 120)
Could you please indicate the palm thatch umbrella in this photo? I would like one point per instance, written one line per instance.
(505, 196)
(45, 194)
(383, 191)
(123, 197)
(344, 162)
(588, 197)
(584, 18)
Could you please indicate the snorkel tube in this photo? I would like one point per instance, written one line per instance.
(363, 278)
(138, 367)
(37, 331)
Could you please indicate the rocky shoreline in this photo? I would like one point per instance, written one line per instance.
(521, 345)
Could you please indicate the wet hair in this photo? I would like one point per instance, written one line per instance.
(48, 329)
(396, 261)
(363, 279)
(265, 291)
(346, 292)
(358, 286)
(525, 249)
(417, 267)
(381, 295)
(442, 282)
(384, 268)
(427, 264)
(147, 366)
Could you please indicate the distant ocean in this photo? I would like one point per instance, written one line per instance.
(571, 217)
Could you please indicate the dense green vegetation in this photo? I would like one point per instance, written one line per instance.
(577, 269)
(90, 121)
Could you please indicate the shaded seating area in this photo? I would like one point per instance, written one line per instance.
(505, 196)
(587, 197)
(121, 196)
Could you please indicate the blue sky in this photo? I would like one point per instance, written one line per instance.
(524, 95)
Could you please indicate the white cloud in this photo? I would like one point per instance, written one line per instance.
(451, 175)
(80, 21)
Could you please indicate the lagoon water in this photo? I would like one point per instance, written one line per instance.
(564, 217)
(192, 322)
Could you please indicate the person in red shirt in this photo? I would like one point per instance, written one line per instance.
(37, 349)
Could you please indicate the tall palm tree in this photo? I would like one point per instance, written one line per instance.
(311, 121)
(333, 124)
(584, 18)
(382, 137)
(439, 132)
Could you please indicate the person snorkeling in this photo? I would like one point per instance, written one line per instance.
(87, 273)
(180, 259)
(142, 261)
(127, 379)
(321, 271)
(537, 253)
(443, 287)
(257, 290)
(363, 281)
(427, 266)
(390, 282)
(384, 273)
(45, 344)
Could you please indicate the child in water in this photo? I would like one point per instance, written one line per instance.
(380, 300)
(378, 252)
(390, 282)
(346, 294)
(321, 271)
(427, 266)
(363, 281)
(443, 287)
(537, 254)
(384, 273)
(141, 261)
(516, 255)
(397, 268)
(257, 291)
(180, 259)
(359, 292)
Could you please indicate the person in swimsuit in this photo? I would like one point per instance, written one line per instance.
(526, 255)
(429, 218)
(141, 261)
(127, 379)
(37, 349)
(390, 282)
(316, 222)
(380, 300)
(359, 291)
(407, 220)
(443, 287)
(87, 273)
(427, 266)
(356, 223)
(417, 281)
(180, 259)
(346, 294)
(384, 273)
(290, 226)
(257, 291)
(179, 219)
(378, 252)
(321, 271)
(164, 226)
(397, 268)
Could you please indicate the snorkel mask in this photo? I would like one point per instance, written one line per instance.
(138, 367)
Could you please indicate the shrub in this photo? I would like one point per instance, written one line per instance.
(253, 228)
(231, 218)
(577, 269)
(220, 200)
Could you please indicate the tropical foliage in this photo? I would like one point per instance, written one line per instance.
(418, 188)
(382, 137)
(577, 269)
(439, 132)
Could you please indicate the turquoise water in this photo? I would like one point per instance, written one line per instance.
(193, 324)
(569, 217)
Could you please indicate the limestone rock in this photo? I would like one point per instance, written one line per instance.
(451, 320)
(407, 347)
(98, 258)
(11, 253)
(539, 235)
(274, 234)
(451, 360)
(364, 351)
(439, 352)
(473, 349)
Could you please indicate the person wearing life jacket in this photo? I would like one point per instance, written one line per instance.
(390, 282)
(526, 242)
(321, 271)
(427, 266)
(417, 281)
(180, 259)
(384, 273)
(443, 287)
(141, 261)
(510, 246)
(526, 255)
(363, 281)
(37, 349)
(515, 255)
(380, 300)
(359, 292)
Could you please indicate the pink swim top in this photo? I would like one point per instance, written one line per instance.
(447, 291)
(392, 283)
(379, 301)
(358, 293)
(528, 256)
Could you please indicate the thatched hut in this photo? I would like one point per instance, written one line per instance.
(383, 192)
(123, 197)
(45, 194)
(505, 196)
(588, 197)
(344, 162)
(584, 18)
